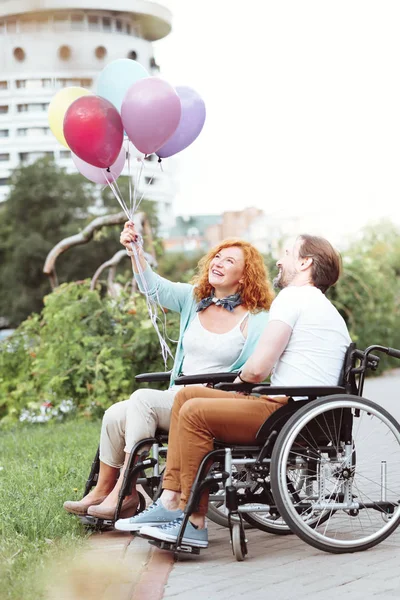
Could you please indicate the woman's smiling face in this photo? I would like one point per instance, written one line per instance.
(226, 269)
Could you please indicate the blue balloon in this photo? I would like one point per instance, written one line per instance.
(116, 79)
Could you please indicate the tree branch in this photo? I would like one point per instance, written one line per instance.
(85, 236)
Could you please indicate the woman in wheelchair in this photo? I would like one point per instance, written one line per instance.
(303, 344)
(222, 314)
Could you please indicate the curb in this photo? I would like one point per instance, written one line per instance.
(151, 584)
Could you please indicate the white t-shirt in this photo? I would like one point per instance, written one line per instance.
(317, 346)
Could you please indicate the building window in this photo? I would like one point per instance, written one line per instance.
(79, 82)
(153, 64)
(33, 84)
(26, 25)
(42, 23)
(35, 107)
(60, 22)
(106, 24)
(149, 180)
(64, 52)
(32, 131)
(30, 157)
(65, 154)
(11, 26)
(4, 157)
(94, 24)
(100, 52)
(77, 22)
(132, 54)
(118, 25)
(4, 109)
(19, 54)
(128, 28)
(4, 133)
(3, 85)
(3, 181)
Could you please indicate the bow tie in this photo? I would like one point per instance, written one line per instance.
(229, 302)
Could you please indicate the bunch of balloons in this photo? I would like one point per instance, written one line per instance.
(156, 118)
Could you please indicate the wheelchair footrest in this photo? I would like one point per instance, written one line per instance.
(90, 521)
(173, 548)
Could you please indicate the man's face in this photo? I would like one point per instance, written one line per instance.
(288, 265)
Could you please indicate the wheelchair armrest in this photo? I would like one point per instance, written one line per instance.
(236, 387)
(272, 390)
(153, 377)
(206, 378)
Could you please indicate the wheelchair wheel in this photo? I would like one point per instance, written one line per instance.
(350, 449)
(239, 547)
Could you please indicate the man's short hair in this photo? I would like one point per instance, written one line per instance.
(327, 263)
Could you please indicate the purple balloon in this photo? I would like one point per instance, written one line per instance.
(98, 175)
(150, 113)
(191, 123)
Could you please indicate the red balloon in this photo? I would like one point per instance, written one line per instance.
(94, 131)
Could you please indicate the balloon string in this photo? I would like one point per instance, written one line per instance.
(128, 154)
(151, 307)
(118, 196)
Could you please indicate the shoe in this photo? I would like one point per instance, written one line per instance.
(155, 514)
(169, 533)
(80, 507)
(128, 508)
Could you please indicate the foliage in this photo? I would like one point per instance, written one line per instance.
(45, 205)
(82, 348)
(180, 266)
(368, 293)
(41, 467)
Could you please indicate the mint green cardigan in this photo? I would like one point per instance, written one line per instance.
(179, 297)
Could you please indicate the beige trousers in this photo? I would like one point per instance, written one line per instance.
(126, 423)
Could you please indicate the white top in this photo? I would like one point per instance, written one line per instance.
(317, 346)
(208, 352)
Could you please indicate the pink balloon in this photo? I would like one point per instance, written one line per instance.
(98, 175)
(150, 112)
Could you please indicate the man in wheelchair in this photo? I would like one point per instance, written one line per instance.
(303, 344)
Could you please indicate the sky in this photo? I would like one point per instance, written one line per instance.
(303, 107)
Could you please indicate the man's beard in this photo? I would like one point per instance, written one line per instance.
(283, 279)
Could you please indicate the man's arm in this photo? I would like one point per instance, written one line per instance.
(272, 343)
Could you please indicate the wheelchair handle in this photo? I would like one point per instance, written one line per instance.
(393, 352)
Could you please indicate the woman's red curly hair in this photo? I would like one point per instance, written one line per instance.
(256, 290)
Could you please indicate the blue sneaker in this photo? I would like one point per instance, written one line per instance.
(169, 533)
(155, 514)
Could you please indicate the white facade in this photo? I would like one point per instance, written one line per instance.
(50, 44)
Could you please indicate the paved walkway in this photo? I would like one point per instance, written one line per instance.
(278, 567)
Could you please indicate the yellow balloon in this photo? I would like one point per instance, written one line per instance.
(59, 106)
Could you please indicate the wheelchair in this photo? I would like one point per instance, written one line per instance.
(147, 461)
(325, 467)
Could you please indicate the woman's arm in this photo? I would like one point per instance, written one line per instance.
(170, 295)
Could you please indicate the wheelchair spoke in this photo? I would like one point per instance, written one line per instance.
(349, 450)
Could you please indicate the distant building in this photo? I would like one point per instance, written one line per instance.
(52, 44)
(201, 232)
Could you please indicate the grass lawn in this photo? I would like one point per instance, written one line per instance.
(41, 466)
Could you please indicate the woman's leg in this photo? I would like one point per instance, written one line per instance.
(145, 411)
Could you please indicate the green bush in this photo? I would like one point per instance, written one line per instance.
(82, 348)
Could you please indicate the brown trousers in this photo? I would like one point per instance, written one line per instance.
(200, 415)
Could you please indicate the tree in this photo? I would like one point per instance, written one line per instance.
(45, 205)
